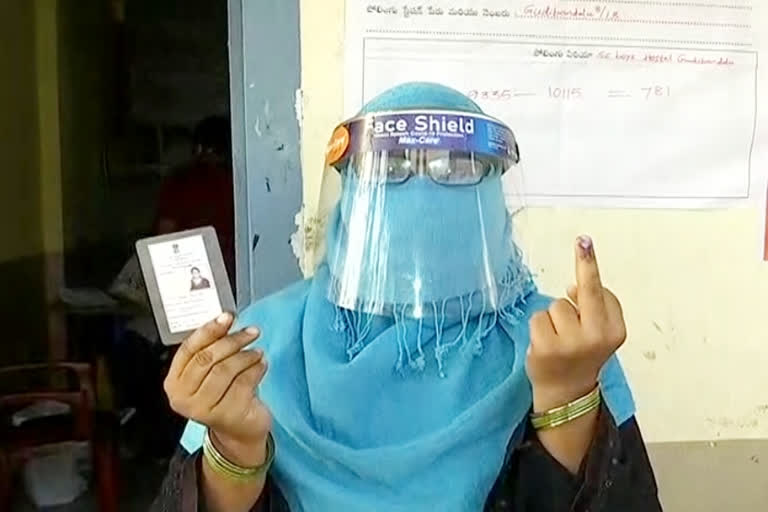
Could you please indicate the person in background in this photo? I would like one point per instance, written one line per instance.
(419, 369)
(200, 193)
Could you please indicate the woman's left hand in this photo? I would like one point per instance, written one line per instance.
(572, 340)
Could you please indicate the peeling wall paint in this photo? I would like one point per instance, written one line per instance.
(268, 170)
(299, 107)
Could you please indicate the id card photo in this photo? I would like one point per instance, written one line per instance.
(186, 281)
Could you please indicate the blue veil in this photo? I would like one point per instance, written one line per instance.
(392, 412)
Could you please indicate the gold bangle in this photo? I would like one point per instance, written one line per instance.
(566, 413)
(225, 467)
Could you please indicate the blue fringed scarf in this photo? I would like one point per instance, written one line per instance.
(358, 435)
(404, 412)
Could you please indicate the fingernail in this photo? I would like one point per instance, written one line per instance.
(223, 319)
(253, 331)
(586, 247)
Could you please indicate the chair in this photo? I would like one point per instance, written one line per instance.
(83, 423)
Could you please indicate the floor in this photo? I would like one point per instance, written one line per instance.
(140, 484)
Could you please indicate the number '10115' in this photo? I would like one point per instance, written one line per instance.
(565, 93)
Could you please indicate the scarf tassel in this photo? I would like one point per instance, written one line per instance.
(513, 287)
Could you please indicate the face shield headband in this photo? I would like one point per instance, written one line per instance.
(451, 148)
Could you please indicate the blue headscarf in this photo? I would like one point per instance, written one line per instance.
(395, 413)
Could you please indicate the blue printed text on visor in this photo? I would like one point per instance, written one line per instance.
(451, 148)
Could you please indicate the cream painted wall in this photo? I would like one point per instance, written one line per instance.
(30, 212)
(322, 65)
(47, 60)
(29, 147)
(19, 159)
(694, 291)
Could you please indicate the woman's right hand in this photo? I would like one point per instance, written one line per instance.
(212, 381)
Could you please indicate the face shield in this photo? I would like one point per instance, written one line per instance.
(421, 227)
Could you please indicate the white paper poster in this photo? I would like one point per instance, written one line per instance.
(625, 103)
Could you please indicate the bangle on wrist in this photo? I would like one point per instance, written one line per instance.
(220, 464)
(558, 416)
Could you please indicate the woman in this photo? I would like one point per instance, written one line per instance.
(419, 369)
(200, 193)
(198, 281)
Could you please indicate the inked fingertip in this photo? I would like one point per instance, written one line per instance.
(586, 246)
(584, 241)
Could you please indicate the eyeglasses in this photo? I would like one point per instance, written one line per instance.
(455, 168)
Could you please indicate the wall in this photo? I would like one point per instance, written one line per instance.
(265, 70)
(18, 133)
(21, 241)
(50, 149)
(693, 290)
(47, 66)
(101, 211)
(84, 43)
(179, 60)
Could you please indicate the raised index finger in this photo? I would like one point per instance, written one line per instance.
(198, 340)
(590, 288)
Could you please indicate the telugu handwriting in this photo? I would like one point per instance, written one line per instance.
(546, 10)
(378, 9)
(410, 10)
(598, 12)
(647, 92)
(630, 55)
(575, 92)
